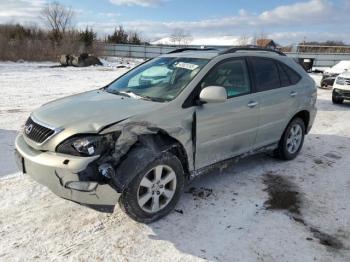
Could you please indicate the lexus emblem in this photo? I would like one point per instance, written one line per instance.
(28, 129)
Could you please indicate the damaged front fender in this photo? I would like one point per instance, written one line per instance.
(140, 143)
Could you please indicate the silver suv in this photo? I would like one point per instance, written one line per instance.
(139, 140)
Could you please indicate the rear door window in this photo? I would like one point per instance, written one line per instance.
(266, 74)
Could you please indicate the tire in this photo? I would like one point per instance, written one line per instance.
(144, 186)
(337, 100)
(285, 150)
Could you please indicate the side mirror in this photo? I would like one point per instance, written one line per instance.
(213, 94)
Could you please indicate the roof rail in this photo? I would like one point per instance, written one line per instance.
(253, 48)
(180, 50)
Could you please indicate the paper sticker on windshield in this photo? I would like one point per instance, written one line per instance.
(187, 66)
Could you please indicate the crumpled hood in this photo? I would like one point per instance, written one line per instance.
(91, 111)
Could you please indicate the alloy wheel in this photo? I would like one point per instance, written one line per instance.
(157, 189)
(294, 139)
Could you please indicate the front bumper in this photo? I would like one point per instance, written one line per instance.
(341, 93)
(60, 173)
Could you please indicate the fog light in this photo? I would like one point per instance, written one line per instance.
(106, 170)
(82, 186)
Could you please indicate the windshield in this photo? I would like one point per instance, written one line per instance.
(161, 79)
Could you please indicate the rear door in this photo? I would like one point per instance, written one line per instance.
(227, 129)
(277, 94)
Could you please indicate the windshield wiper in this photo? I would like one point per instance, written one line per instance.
(136, 96)
(131, 94)
(155, 99)
(118, 93)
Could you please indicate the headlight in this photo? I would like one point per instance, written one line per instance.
(341, 81)
(91, 145)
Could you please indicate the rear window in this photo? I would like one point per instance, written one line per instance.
(285, 81)
(266, 74)
(294, 78)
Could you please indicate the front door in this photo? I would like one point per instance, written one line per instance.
(228, 129)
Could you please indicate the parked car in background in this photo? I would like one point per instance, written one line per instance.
(341, 88)
(331, 74)
(138, 140)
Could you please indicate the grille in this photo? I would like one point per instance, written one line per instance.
(343, 81)
(346, 93)
(36, 132)
(343, 93)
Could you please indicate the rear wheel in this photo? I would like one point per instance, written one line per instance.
(155, 191)
(292, 140)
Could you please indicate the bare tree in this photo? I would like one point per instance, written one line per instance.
(255, 39)
(180, 37)
(257, 36)
(243, 40)
(263, 35)
(57, 17)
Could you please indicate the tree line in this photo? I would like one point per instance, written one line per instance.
(58, 37)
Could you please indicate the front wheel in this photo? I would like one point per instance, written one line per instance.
(292, 140)
(155, 191)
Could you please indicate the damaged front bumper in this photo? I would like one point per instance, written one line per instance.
(62, 175)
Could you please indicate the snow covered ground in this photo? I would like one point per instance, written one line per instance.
(232, 215)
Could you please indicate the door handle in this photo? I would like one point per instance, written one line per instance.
(252, 104)
(293, 94)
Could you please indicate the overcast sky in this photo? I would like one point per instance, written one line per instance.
(286, 21)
